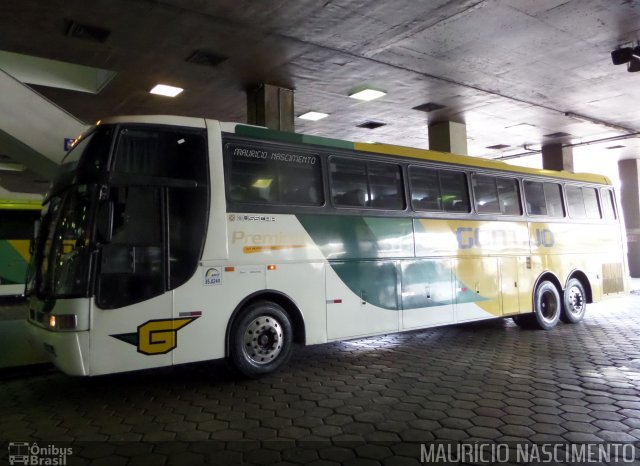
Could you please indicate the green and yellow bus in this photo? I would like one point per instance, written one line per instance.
(168, 240)
(17, 222)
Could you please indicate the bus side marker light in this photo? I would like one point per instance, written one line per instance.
(271, 267)
(334, 301)
(229, 269)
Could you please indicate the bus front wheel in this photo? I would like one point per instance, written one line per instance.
(574, 302)
(261, 339)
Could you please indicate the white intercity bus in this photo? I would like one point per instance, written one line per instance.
(168, 240)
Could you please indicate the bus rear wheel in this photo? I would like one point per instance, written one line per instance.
(574, 302)
(546, 305)
(261, 339)
(546, 308)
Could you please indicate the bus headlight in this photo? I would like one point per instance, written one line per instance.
(63, 322)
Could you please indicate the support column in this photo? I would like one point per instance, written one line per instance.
(271, 106)
(630, 200)
(557, 157)
(448, 136)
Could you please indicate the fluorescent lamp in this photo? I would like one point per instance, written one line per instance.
(163, 89)
(367, 94)
(313, 116)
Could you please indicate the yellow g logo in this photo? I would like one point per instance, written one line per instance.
(156, 336)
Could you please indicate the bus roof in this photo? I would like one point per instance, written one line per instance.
(20, 204)
(422, 154)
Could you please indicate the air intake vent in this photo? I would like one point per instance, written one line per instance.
(559, 134)
(429, 107)
(201, 57)
(371, 124)
(612, 281)
(82, 31)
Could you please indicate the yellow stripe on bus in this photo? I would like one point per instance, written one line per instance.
(22, 247)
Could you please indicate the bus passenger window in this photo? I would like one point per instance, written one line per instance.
(486, 194)
(543, 198)
(608, 204)
(270, 175)
(438, 190)
(425, 189)
(534, 195)
(590, 196)
(355, 183)
(508, 195)
(454, 193)
(385, 185)
(576, 202)
(349, 182)
(553, 196)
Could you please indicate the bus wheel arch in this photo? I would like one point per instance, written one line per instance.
(278, 324)
(576, 295)
(547, 304)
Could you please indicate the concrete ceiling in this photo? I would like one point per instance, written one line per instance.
(514, 71)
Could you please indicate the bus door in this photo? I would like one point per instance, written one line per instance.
(132, 326)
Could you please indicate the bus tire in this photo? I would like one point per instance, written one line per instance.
(574, 302)
(526, 321)
(261, 339)
(546, 305)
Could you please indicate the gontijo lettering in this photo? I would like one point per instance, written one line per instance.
(477, 237)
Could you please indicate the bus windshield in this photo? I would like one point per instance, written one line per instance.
(61, 263)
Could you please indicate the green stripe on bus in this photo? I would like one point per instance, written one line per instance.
(356, 247)
(295, 138)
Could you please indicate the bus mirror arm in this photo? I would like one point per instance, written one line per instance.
(32, 241)
(104, 227)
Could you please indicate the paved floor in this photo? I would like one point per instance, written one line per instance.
(370, 401)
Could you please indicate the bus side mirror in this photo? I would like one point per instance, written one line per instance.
(104, 222)
(32, 241)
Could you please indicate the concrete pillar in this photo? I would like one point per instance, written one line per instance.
(448, 136)
(630, 200)
(271, 106)
(557, 157)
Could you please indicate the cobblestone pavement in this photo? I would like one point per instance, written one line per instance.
(369, 401)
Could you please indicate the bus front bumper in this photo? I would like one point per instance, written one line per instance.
(67, 350)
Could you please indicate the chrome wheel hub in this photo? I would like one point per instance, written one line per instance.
(548, 306)
(263, 340)
(575, 301)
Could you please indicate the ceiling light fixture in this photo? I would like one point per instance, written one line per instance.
(371, 124)
(429, 107)
(313, 116)
(86, 32)
(168, 91)
(367, 94)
